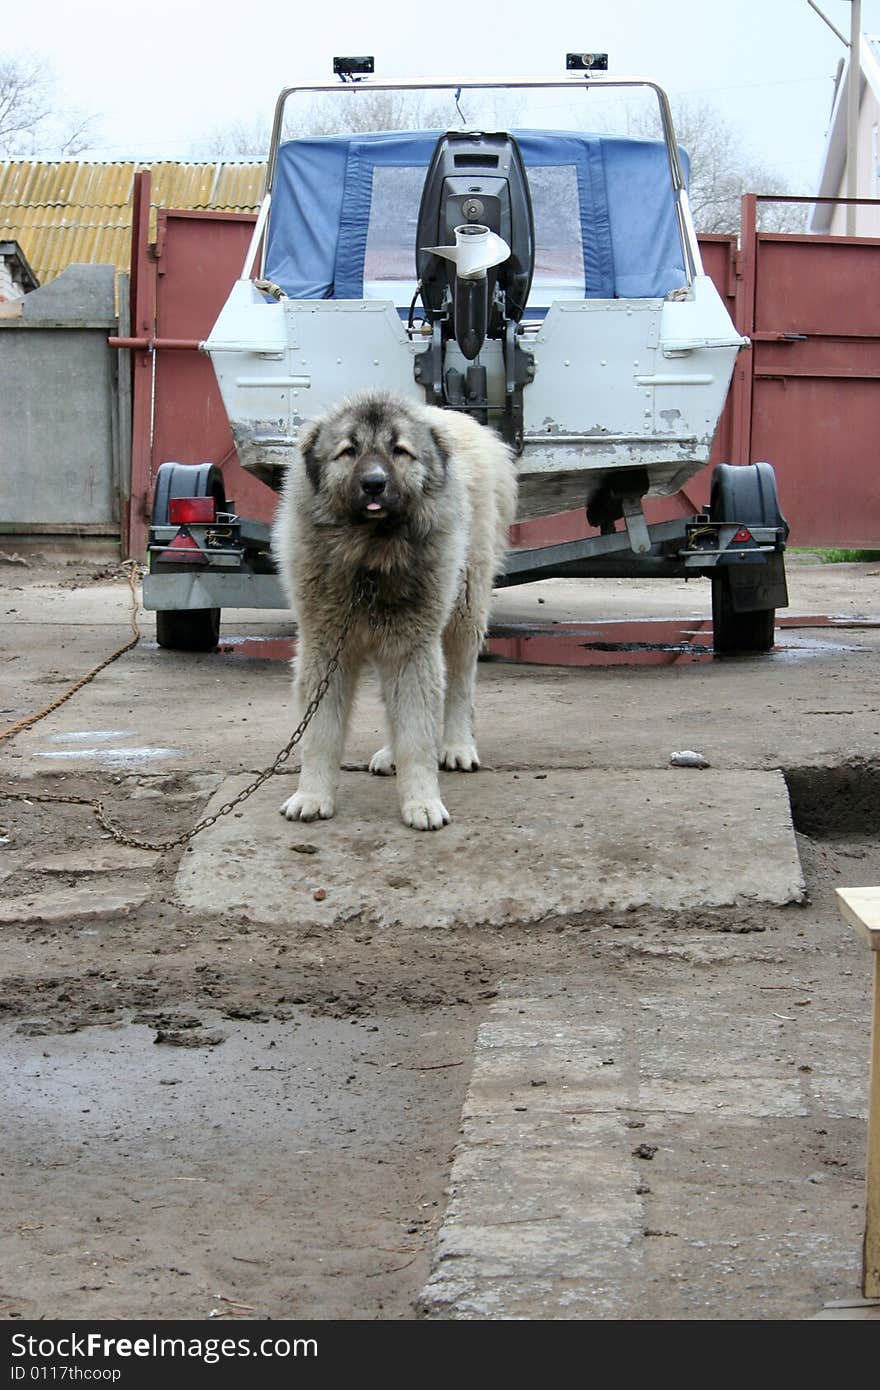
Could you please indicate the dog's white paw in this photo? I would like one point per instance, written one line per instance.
(460, 757)
(425, 813)
(304, 807)
(382, 763)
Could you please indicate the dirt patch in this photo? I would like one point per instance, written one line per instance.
(836, 802)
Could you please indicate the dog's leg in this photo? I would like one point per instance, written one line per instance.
(323, 741)
(382, 762)
(461, 646)
(414, 698)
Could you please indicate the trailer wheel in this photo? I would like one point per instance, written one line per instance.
(187, 629)
(745, 495)
(738, 632)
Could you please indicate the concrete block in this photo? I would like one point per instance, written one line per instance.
(82, 295)
(520, 848)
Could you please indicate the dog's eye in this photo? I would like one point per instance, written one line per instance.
(400, 451)
(348, 452)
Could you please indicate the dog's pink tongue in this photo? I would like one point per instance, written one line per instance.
(374, 506)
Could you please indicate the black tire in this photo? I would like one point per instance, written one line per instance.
(188, 629)
(192, 629)
(745, 495)
(738, 632)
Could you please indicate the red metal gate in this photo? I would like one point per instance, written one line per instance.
(810, 404)
(805, 396)
(179, 285)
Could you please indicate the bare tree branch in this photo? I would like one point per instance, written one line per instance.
(25, 98)
(722, 170)
(355, 109)
(238, 141)
(30, 121)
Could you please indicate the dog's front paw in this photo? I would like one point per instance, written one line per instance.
(301, 806)
(460, 757)
(382, 763)
(424, 813)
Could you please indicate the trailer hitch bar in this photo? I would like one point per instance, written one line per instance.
(150, 344)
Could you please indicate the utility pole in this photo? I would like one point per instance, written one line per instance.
(852, 113)
(853, 85)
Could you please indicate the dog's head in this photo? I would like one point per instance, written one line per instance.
(373, 461)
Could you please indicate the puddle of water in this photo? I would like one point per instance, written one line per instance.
(641, 643)
(93, 735)
(633, 642)
(649, 642)
(789, 620)
(563, 644)
(257, 648)
(113, 757)
(795, 647)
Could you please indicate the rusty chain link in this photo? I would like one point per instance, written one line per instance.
(364, 595)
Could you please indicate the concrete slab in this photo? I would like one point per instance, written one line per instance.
(107, 860)
(588, 1132)
(544, 1209)
(83, 903)
(522, 847)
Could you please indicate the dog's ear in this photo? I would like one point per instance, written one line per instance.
(441, 446)
(308, 441)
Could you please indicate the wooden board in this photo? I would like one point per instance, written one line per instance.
(861, 908)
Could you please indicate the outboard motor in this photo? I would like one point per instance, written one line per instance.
(475, 254)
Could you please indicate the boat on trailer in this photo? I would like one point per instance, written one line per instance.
(547, 282)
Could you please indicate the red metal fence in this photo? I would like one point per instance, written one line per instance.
(179, 284)
(810, 403)
(805, 396)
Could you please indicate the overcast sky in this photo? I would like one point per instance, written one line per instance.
(160, 75)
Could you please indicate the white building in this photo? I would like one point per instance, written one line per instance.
(828, 217)
(16, 277)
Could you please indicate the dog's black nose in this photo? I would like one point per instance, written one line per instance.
(374, 482)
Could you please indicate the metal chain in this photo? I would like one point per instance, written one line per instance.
(364, 594)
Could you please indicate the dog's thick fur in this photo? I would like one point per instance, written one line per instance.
(421, 500)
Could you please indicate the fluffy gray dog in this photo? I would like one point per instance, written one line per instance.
(420, 501)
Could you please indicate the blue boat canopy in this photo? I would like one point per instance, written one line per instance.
(342, 224)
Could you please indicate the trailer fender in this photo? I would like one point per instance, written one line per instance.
(186, 480)
(746, 495)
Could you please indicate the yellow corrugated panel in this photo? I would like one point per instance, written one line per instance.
(102, 186)
(74, 211)
(49, 250)
(240, 186)
(230, 188)
(66, 183)
(47, 218)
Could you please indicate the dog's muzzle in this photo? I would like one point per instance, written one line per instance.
(374, 485)
(374, 494)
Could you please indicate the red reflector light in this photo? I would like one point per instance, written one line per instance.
(743, 534)
(184, 509)
(183, 550)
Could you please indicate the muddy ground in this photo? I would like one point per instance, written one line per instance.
(206, 1115)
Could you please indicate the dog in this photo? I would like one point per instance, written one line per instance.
(418, 500)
